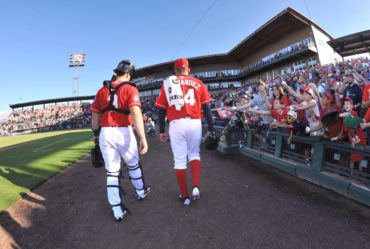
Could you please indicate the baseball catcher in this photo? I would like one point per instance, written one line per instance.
(115, 108)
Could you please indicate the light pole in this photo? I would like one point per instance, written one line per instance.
(76, 61)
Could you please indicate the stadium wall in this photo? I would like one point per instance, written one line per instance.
(214, 67)
(275, 46)
(326, 54)
(324, 169)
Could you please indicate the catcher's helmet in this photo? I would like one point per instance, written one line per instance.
(96, 157)
(211, 141)
(125, 66)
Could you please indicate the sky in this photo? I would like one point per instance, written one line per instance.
(38, 36)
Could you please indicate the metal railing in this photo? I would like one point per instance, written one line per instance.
(322, 162)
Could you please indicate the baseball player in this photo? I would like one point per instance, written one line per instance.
(115, 108)
(182, 99)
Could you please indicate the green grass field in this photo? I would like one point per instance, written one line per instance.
(26, 161)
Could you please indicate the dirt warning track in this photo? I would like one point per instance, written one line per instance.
(244, 204)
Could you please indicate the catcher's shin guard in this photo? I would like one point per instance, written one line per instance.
(115, 191)
(137, 179)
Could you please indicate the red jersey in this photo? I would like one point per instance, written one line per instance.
(366, 97)
(281, 117)
(367, 115)
(357, 136)
(195, 95)
(366, 93)
(335, 128)
(125, 97)
(285, 101)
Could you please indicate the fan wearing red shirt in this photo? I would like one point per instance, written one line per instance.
(182, 99)
(366, 104)
(279, 113)
(115, 108)
(355, 134)
(366, 98)
(334, 131)
(278, 93)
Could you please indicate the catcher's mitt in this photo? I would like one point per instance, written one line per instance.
(330, 118)
(211, 141)
(96, 157)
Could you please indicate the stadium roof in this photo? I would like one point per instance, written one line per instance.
(287, 21)
(51, 101)
(352, 44)
(195, 61)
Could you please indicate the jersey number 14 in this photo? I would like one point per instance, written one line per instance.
(189, 97)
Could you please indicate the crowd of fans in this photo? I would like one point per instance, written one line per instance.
(147, 105)
(296, 102)
(332, 101)
(53, 117)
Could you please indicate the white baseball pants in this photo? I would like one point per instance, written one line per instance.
(185, 135)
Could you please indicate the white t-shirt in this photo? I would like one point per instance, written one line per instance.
(312, 114)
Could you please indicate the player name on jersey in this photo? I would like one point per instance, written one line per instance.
(189, 82)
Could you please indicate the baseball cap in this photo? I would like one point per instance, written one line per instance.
(292, 114)
(329, 96)
(181, 63)
(246, 95)
(349, 100)
(306, 90)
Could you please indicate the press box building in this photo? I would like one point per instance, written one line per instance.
(287, 42)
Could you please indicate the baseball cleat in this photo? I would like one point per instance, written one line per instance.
(144, 194)
(196, 193)
(118, 213)
(186, 201)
